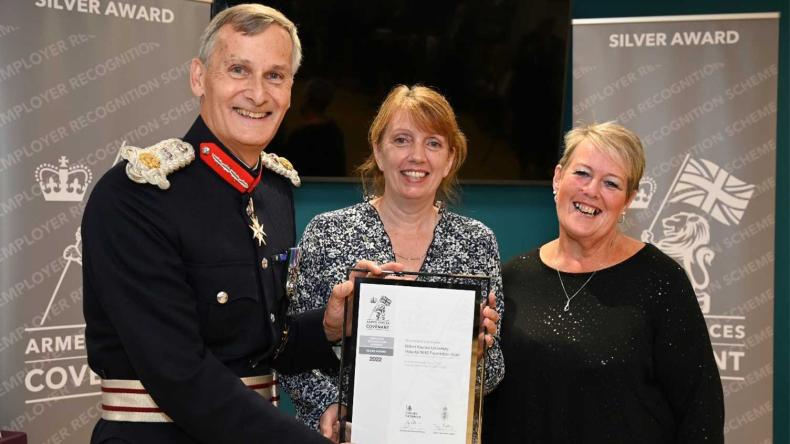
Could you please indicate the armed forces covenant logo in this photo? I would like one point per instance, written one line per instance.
(377, 319)
(710, 192)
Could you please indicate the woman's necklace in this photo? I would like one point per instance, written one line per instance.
(570, 298)
(397, 238)
(407, 258)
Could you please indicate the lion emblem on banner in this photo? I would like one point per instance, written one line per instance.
(686, 240)
(379, 312)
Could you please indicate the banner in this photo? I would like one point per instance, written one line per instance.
(77, 79)
(701, 92)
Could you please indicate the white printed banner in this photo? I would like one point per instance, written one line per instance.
(77, 79)
(701, 92)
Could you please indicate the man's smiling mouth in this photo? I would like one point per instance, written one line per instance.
(251, 114)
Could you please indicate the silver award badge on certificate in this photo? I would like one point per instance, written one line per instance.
(415, 376)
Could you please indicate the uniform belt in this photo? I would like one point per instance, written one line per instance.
(128, 400)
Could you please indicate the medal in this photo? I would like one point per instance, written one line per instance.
(257, 229)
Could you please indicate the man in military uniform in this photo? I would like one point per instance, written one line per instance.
(184, 265)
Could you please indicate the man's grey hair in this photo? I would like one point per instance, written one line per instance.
(249, 19)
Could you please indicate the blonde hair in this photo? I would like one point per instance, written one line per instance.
(615, 140)
(249, 19)
(431, 112)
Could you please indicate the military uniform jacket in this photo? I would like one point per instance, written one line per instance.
(155, 262)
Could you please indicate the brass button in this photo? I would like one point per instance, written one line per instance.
(264, 263)
(222, 297)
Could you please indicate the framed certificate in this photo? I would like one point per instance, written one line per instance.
(415, 376)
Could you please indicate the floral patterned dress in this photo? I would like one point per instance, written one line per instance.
(336, 240)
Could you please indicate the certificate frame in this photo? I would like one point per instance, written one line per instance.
(448, 387)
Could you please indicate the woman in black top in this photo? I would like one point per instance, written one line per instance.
(607, 343)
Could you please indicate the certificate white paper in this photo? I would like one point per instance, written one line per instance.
(414, 364)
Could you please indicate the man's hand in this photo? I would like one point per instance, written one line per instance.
(489, 317)
(333, 315)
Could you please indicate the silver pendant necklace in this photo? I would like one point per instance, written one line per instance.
(570, 298)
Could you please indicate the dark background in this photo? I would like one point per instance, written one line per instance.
(501, 64)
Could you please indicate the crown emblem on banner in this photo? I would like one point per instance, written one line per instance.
(63, 183)
(647, 188)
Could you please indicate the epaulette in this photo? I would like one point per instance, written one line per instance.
(153, 164)
(281, 166)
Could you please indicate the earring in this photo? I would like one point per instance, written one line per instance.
(554, 192)
(622, 217)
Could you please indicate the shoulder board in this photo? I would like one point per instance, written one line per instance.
(281, 166)
(153, 164)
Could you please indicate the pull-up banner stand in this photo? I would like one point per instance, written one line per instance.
(77, 79)
(701, 93)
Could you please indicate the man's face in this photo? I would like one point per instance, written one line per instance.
(245, 87)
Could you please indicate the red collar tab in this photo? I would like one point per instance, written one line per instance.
(228, 168)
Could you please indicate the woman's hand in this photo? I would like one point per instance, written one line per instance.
(329, 423)
(489, 317)
(333, 315)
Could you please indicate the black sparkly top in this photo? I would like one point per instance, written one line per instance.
(629, 362)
